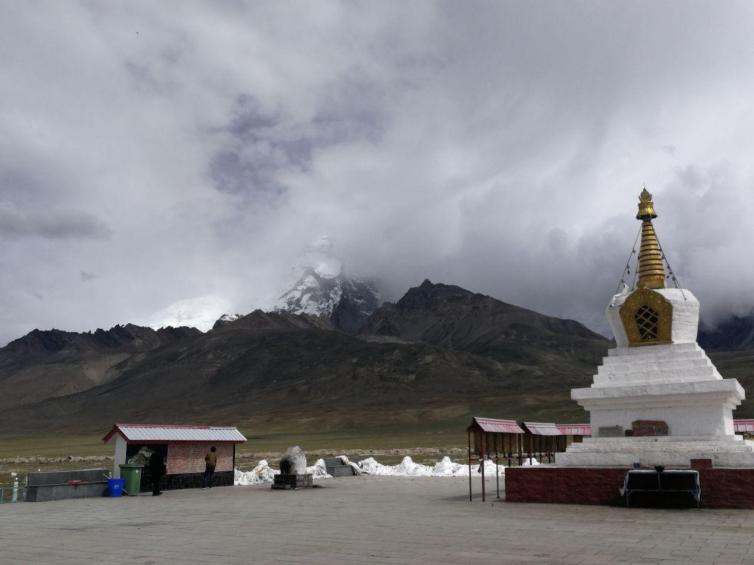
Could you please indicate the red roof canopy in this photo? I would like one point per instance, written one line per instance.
(543, 428)
(743, 425)
(172, 433)
(493, 426)
(575, 429)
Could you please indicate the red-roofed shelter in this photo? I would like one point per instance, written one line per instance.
(182, 447)
(493, 437)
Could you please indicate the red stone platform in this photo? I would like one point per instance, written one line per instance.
(721, 487)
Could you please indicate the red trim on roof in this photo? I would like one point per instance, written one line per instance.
(191, 426)
(744, 425)
(111, 433)
(117, 429)
(491, 425)
(575, 429)
(172, 441)
(542, 428)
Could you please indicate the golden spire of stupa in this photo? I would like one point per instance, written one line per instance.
(651, 270)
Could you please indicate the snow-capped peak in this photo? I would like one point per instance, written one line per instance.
(345, 302)
(314, 294)
(323, 289)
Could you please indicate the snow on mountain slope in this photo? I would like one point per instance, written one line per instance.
(345, 301)
(324, 290)
(200, 312)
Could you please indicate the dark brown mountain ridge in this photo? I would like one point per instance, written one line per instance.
(434, 357)
(735, 333)
(453, 317)
(297, 369)
(52, 363)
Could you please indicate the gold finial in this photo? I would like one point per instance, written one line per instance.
(646, 206)
(651, 268)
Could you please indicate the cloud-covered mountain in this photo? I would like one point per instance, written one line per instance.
(494, 144)
(345, 302)
(735, 333)
(325, 290)
(437, 355)
(297, 370)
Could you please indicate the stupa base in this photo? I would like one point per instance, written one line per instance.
(721, 488)
(670, 451)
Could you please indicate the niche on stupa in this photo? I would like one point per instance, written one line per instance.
(647, 317)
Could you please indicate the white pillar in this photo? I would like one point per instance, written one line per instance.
(120, 455)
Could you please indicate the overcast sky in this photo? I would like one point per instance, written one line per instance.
(159, 156)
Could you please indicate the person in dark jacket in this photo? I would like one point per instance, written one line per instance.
(156, 471)
(210, 462)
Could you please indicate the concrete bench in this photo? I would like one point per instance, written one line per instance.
(656, 484)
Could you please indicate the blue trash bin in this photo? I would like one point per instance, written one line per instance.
(115, 487)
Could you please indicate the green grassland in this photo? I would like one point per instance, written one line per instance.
(440, 424)
(333, 442)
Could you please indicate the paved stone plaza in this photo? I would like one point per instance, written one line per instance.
(363, 520)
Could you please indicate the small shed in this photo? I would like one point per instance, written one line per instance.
(493, 437)
(182, 447)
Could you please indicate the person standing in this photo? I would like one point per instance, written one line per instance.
(156, 471)
(210, 462)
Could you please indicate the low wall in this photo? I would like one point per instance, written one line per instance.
(56, 485)
(727, 488)
(178, 481)
(564, 485)
(721, 487)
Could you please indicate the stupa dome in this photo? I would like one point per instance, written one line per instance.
(650, 314)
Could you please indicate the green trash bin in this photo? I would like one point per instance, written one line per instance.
(131, 474)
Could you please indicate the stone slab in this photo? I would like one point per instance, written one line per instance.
(644, 428)
(610, 431)
(288, 481)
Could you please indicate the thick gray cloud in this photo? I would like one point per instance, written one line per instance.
(57, 225)
(187, 154)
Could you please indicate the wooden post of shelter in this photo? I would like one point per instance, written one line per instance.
(482, 454)
(468, 433)
(510, 450)
(497, 468)
(531, 441)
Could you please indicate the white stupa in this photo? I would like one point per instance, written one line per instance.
(657, 378)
